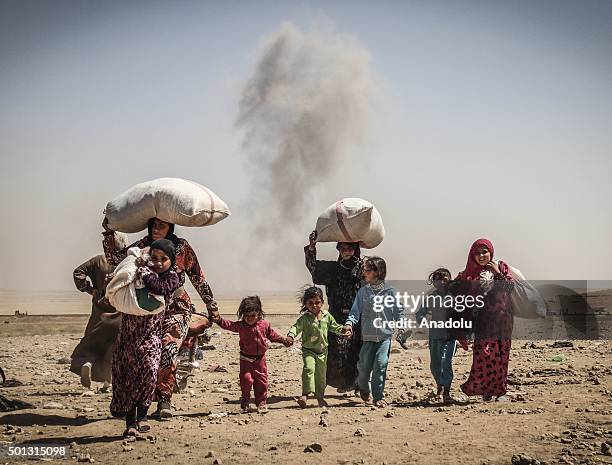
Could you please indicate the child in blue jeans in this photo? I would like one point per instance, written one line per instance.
(377, 324)
(442, 345)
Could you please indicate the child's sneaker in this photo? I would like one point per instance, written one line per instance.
(446, 397)
(302, 401)
(262, 408)
(365, 395)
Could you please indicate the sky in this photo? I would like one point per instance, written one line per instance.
(488, 119)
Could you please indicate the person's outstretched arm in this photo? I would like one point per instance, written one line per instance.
(198, 279)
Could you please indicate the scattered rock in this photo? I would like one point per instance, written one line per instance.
(323, 421)
(360, 432)
(84, 457)
(314, 447)
(562, 344)
(53, 405)
(522, 459)
(606, 448)
(209, 454)
(64, 361)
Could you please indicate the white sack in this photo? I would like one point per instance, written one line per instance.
(172, 200)
(351, 220)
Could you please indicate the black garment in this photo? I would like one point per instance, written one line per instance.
(342, 280)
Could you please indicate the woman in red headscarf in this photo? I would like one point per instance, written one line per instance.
(492, 322)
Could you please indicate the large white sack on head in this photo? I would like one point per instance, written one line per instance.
(526, 300)
(121, 290)
(351, 220)
(172, 200)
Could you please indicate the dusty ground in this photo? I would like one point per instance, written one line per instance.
(560, 412)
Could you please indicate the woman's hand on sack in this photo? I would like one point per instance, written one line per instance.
(312, 240)
(105, 225)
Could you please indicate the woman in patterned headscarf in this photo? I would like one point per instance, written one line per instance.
(492, 323)
(342, 279)
(178, 315)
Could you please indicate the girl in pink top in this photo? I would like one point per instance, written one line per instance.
(254, 334)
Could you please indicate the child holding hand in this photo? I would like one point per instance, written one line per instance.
(313, 324)
(254, 334)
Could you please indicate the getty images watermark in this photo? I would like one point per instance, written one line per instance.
(413, 302)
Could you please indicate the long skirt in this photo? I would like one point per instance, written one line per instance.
(489, 373)
(136, 362)
(342, 358)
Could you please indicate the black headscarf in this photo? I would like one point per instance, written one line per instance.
(170, 235)
(165, 246)
(354, 245)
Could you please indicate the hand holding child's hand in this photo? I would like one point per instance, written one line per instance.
(288, 341)
(347, 330)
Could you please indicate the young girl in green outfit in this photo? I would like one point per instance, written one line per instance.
(313, 324)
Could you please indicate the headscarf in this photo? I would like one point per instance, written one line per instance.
(165, 246)
(170, 235)
(472, 268)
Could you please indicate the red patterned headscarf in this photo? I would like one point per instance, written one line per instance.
(472, 268)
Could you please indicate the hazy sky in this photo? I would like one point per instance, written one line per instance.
(492, 119)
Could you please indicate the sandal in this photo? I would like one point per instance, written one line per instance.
(131, 431)
(302, 401)
(143, 426)
(381, 403)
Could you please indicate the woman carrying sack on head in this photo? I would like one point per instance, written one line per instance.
(342, 279)
(178, 314)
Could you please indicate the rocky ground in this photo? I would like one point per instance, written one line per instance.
(559, 409)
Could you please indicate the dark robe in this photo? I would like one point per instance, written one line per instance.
(102, 329)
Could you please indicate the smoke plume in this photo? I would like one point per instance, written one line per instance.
(308, 101)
